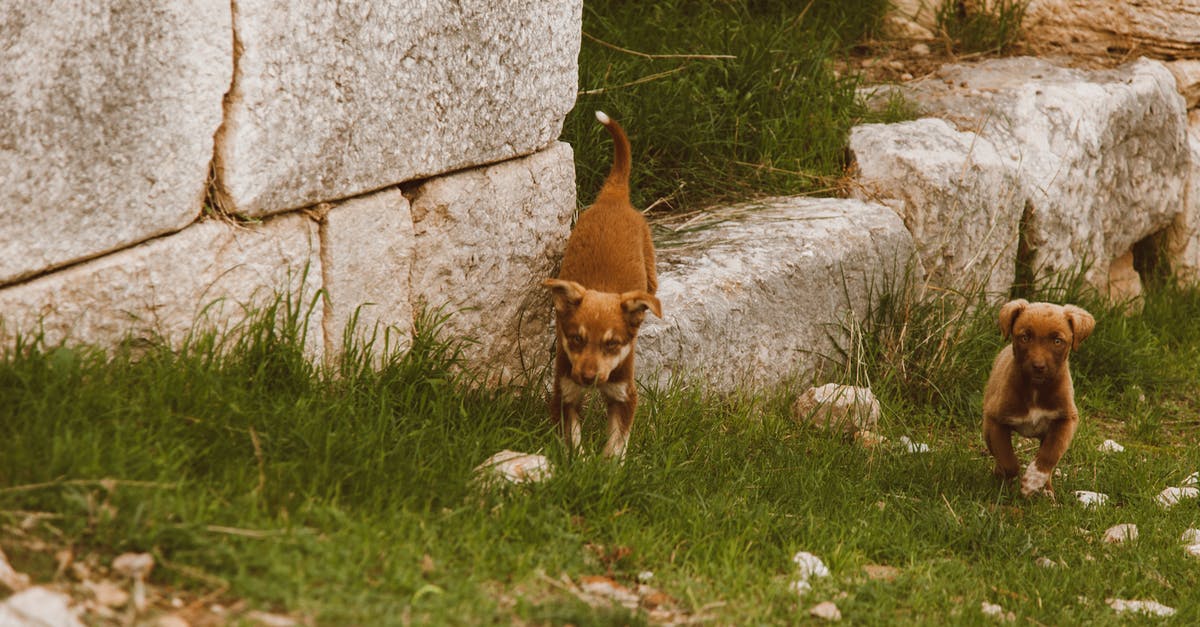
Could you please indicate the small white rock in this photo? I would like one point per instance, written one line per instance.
(1091, 499)
(645, 576)
(1171, 496)
(800, 587)
(1046, 562)
(514, 467)
(1190, 536)
(38, 606)
(810, 565)
(996, 612)
(1110, 446)
(1120, 533)
(914, 447)
(1154, 608)
(1192, 549)
(1192, 479)
(921, 50)
(826, 610)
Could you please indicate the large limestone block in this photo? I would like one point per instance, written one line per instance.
(1101, 156)
(366, 252)
(205, 275)
(1183, 239)
(107, 115)
(332, 100)
(957, 196)
(485, 240)
(754, 298)
(1165, 28)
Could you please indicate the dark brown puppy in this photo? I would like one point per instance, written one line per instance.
(1030, 391)
(601, 295)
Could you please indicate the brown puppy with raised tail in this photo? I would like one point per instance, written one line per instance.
(606, 284)
(1030, 389)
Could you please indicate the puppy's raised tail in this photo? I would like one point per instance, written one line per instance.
(617, 183)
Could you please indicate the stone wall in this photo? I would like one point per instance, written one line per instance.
(198, 157)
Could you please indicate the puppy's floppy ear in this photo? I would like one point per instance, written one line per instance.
(567, 294)
(1008, 315)
(1081, 323)
(634, 305)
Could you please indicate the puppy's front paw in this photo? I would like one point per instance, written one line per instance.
(1034, 480)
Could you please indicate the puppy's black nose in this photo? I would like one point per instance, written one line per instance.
(587, 380)
(1039, 368)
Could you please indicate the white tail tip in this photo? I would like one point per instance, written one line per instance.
(603, 117)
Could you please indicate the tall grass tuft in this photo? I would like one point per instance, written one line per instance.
(722, 100)
(981, 26)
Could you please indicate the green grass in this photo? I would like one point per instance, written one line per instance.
(770, 120)
(347, 496)
(987, 26)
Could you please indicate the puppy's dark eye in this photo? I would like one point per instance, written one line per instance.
(612, 346)
(1025, 339)
(1058, 341)
(575, 340)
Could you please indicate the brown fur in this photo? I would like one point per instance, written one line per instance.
(1029, 390)
(606, 284)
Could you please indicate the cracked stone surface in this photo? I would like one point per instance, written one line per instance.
(755, 297)
(207, 274)
(485, 240)
(107, 117)
(332, 100)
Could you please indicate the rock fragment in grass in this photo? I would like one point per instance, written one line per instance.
(12, 579)
(1110, 446)
(839, 407)
(1192, 479)
(39, 606)
(1192, 549)
(1046, 562)
(1190, 536)
(1151, 607)
(996, 612)
(1091, 499)
(809, 566)
(826, 610)
(914, 447)
(135, 566)
(880, 571)
(514, 467)
(267, 619)
(1121, 533)
(1169, 497)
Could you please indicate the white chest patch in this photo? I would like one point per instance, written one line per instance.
(618, 392)
(1035, 423)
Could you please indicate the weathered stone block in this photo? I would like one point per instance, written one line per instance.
(206, 275)
(838, 408)
(366, 253)
(107, 116)
(1168, 28)
(756, 296)
(1183, 238)
(958, 197)
(1101, 156)
(485, 240)
(332, 100)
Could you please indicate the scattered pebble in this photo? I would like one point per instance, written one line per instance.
(996, 612)
(1120, 533)
(645, 576)
(810, 565)
(1046, 562)
(271, 620)
(914, 447)
(1153, 608)
(514, 467)
(1110, 446)
(605, 587)
(1192, 479)
(14, 580)
(826, 610)
(1091, 499)
(107, 593)
(921, 50)
(38, 606)
(137, 567)
(1191, 536)
(1192, 549)
(1171, 496)
(879, 571)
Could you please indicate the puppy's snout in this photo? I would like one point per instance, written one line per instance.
(1039, 367)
